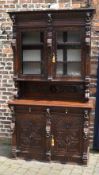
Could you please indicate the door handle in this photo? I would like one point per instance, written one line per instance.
(53, 59)
(52, 141)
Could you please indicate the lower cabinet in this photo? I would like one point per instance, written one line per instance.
(51, 133)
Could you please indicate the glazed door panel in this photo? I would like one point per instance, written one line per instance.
(68, 59)
(32, 54)
(31, 135)
(67, 136)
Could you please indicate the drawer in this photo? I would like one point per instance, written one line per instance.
(28, 109)
(52, 109)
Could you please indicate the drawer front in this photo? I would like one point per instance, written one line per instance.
(31, 109)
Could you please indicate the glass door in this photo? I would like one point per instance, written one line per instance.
(68, 54)
(33, 53)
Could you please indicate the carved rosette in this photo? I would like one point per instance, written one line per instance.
(88, 29)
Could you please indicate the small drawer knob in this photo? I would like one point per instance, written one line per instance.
(48, 110)
(66, 111)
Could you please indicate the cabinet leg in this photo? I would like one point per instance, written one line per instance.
(14, 154)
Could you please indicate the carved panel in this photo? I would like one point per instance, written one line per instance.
(68, 132)
(31, 134)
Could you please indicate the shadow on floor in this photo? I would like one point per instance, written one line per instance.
(93, 151)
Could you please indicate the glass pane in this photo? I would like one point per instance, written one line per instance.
(69, 36)
(31, 55)
(73, 54)
(59, 55)
(74, 69)
(30, 38)
(59, 36)
(73, 36)
(59, 69)
(31, 68)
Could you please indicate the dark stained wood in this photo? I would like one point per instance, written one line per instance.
(30, 132)
(51, 111)
(67, 131)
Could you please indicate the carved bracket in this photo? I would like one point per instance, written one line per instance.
(13, 18)
(16, 95)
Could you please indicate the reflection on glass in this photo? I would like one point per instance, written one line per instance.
(73, 36)
(31, 68)
(59, 55)
(73, 54)
(32, 55)
(60, 37)
(59, 69)
(30, 38)
(74, 69)
(68, 36)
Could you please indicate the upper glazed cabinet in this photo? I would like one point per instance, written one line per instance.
(52, 45)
